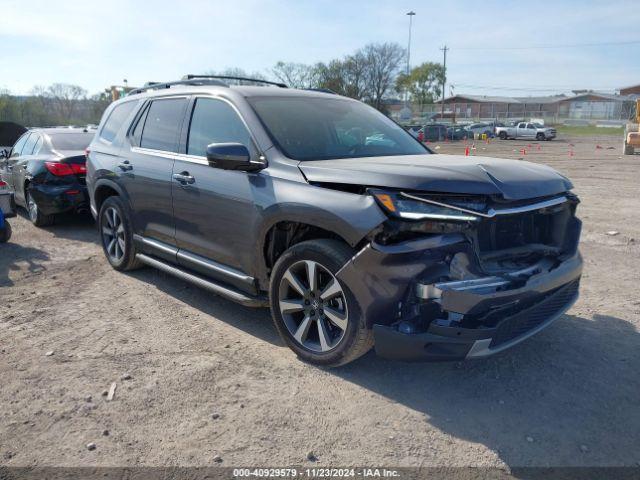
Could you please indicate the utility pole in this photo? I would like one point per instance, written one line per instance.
(444, 79)
(406, 93)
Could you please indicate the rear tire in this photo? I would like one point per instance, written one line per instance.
(320, 319)
(5, 232)
(35, 215)
(116, 235)
(503, 135)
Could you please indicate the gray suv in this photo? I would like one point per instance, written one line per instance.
(318, 206)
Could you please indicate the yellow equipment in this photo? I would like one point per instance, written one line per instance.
(632, 133)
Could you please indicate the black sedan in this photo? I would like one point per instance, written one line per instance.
(46, 170)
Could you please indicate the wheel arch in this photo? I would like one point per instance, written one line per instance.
(104, 189)
(285, 230)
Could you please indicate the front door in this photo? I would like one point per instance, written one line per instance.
(213, 208)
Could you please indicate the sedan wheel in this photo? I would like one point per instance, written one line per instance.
(313, 306)
(113, 234)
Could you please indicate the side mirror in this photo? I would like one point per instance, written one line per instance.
(231, 156)
(4, 154)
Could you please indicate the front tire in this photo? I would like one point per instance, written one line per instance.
(315, 314)
(116, 235)
(540, 136)
(35, 214)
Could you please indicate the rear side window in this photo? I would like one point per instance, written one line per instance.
(215, 121)
(118, 115)
(162, 124)
(28, 147)
(17, 148)
(38, 146)
(71, 141)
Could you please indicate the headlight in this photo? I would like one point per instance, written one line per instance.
(400, 205)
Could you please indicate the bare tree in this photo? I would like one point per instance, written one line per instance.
(296, 75)
(236, 72)
(62, 98)
(383, 62)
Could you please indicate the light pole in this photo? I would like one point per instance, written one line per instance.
(411, 14)
(406, 93)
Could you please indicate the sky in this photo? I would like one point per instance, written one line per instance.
(96, 44)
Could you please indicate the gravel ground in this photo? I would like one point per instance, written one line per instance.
(199, 377)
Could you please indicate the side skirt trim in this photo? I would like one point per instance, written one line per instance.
(224, 291)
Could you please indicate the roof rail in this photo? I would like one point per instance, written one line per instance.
(159, 85)
(227, 77)
(321, 90)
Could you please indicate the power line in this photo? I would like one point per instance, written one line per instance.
(557, 46)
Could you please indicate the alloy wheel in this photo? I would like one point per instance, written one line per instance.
(313, 306)
(113, 234)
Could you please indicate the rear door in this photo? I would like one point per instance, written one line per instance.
(19, 170)
(14, 157)
(145, 171)
(214, 212)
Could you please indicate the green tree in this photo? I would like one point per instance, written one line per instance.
(424, 82)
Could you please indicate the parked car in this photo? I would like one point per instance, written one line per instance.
(277, 197)
(458, 133)
(434, 132)
(526, 130)
(481, 129)
(46, 170)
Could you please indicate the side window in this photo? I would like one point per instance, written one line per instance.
(522, 125)
(163, 123)
(37, 146)
(17, 148)
(531, 126)
(31, 142)
(136, 134)
(215, 121)
(113, 123)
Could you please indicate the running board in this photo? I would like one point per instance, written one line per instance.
(227, 292)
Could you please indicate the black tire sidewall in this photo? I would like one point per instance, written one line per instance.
(310, 251)
(129, 248)
(5, 232)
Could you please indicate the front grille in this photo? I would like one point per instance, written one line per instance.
(509, 231)
(528, 319)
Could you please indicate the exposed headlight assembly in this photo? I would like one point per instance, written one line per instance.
(409, 207)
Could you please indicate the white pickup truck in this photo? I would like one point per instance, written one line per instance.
(526, 130)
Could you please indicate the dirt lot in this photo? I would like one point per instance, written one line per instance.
(569, 396)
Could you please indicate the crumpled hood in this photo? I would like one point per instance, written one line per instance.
(512, 179)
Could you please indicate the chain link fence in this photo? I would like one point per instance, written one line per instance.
(612, 113)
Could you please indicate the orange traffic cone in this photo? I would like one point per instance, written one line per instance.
(466, 151)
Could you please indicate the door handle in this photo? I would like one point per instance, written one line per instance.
(126, 166)
(184, 178)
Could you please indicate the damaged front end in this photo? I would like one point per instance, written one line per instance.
(453, 277)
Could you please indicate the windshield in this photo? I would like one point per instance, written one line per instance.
(71, 141)
(306, 128)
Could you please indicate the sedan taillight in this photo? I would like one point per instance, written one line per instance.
(62, 169)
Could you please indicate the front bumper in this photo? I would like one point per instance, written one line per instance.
(55, 199)
(454, 320)
(451, 343)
